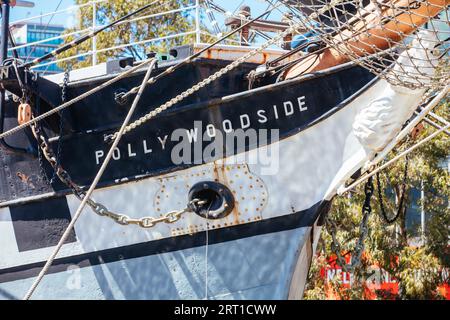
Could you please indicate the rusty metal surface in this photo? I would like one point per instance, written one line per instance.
(264, 25)
(231, 53)
(248, 189)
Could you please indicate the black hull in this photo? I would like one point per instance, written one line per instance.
(146, 151)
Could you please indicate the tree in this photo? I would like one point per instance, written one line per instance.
(127, 33)
(396, 248)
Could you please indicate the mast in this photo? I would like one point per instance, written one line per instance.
(4, 33)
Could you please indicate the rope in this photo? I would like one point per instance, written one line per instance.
(75, 100)
(181, 96)
(61, 122)
(82, 39)
(404, 153)
(206, 261)
(93, 185)
(195, 55)
(201, 84)
(132, 91)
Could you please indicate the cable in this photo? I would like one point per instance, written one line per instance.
(71, 102)
(93, 185)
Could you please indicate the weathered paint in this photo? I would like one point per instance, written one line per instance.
(232, 53)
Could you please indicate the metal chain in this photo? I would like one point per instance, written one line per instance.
(98, 208)
(363, 230)
(215, 76)
(144, 222)
(199, 85)
(61, 120)
(335, 245)
(40, 152)
(402, 196)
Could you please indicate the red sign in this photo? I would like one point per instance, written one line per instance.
(378, 283)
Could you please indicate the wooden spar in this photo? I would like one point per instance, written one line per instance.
(371, 34)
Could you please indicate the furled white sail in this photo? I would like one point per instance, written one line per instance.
(380, 121)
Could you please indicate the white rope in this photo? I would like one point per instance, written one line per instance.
(206, 259)
(171, 102)
(93, 185)
(71, 102)
(434, 124)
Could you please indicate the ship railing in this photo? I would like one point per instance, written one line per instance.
(81, 55)
(95, 51)
(71, 8)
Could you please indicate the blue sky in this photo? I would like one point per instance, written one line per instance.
(42, 7)
(67, 19)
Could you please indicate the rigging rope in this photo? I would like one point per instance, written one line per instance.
(402, 154)
(206, 250)
(75, 100)
(126, 128)
(200, 85)
(121, 76)
(93, 185)
(192, 57)
(211, 17)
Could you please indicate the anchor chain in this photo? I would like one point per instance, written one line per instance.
(61, 119)
(98, 208)
(170, 103)
(145, 222)
(39, 149)
(402, 196)
(363, 229)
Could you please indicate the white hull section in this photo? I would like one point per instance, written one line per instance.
(258, 267)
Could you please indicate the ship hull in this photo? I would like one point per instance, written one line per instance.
(262, 250)
(237, 269)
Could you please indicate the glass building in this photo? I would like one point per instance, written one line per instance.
(32, 32)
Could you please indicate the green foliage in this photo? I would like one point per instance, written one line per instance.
(315, 286)
(414, 263)
(418, 274)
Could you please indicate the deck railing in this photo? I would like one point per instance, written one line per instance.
(194, 8)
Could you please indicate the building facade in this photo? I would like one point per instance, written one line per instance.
(27, 33)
